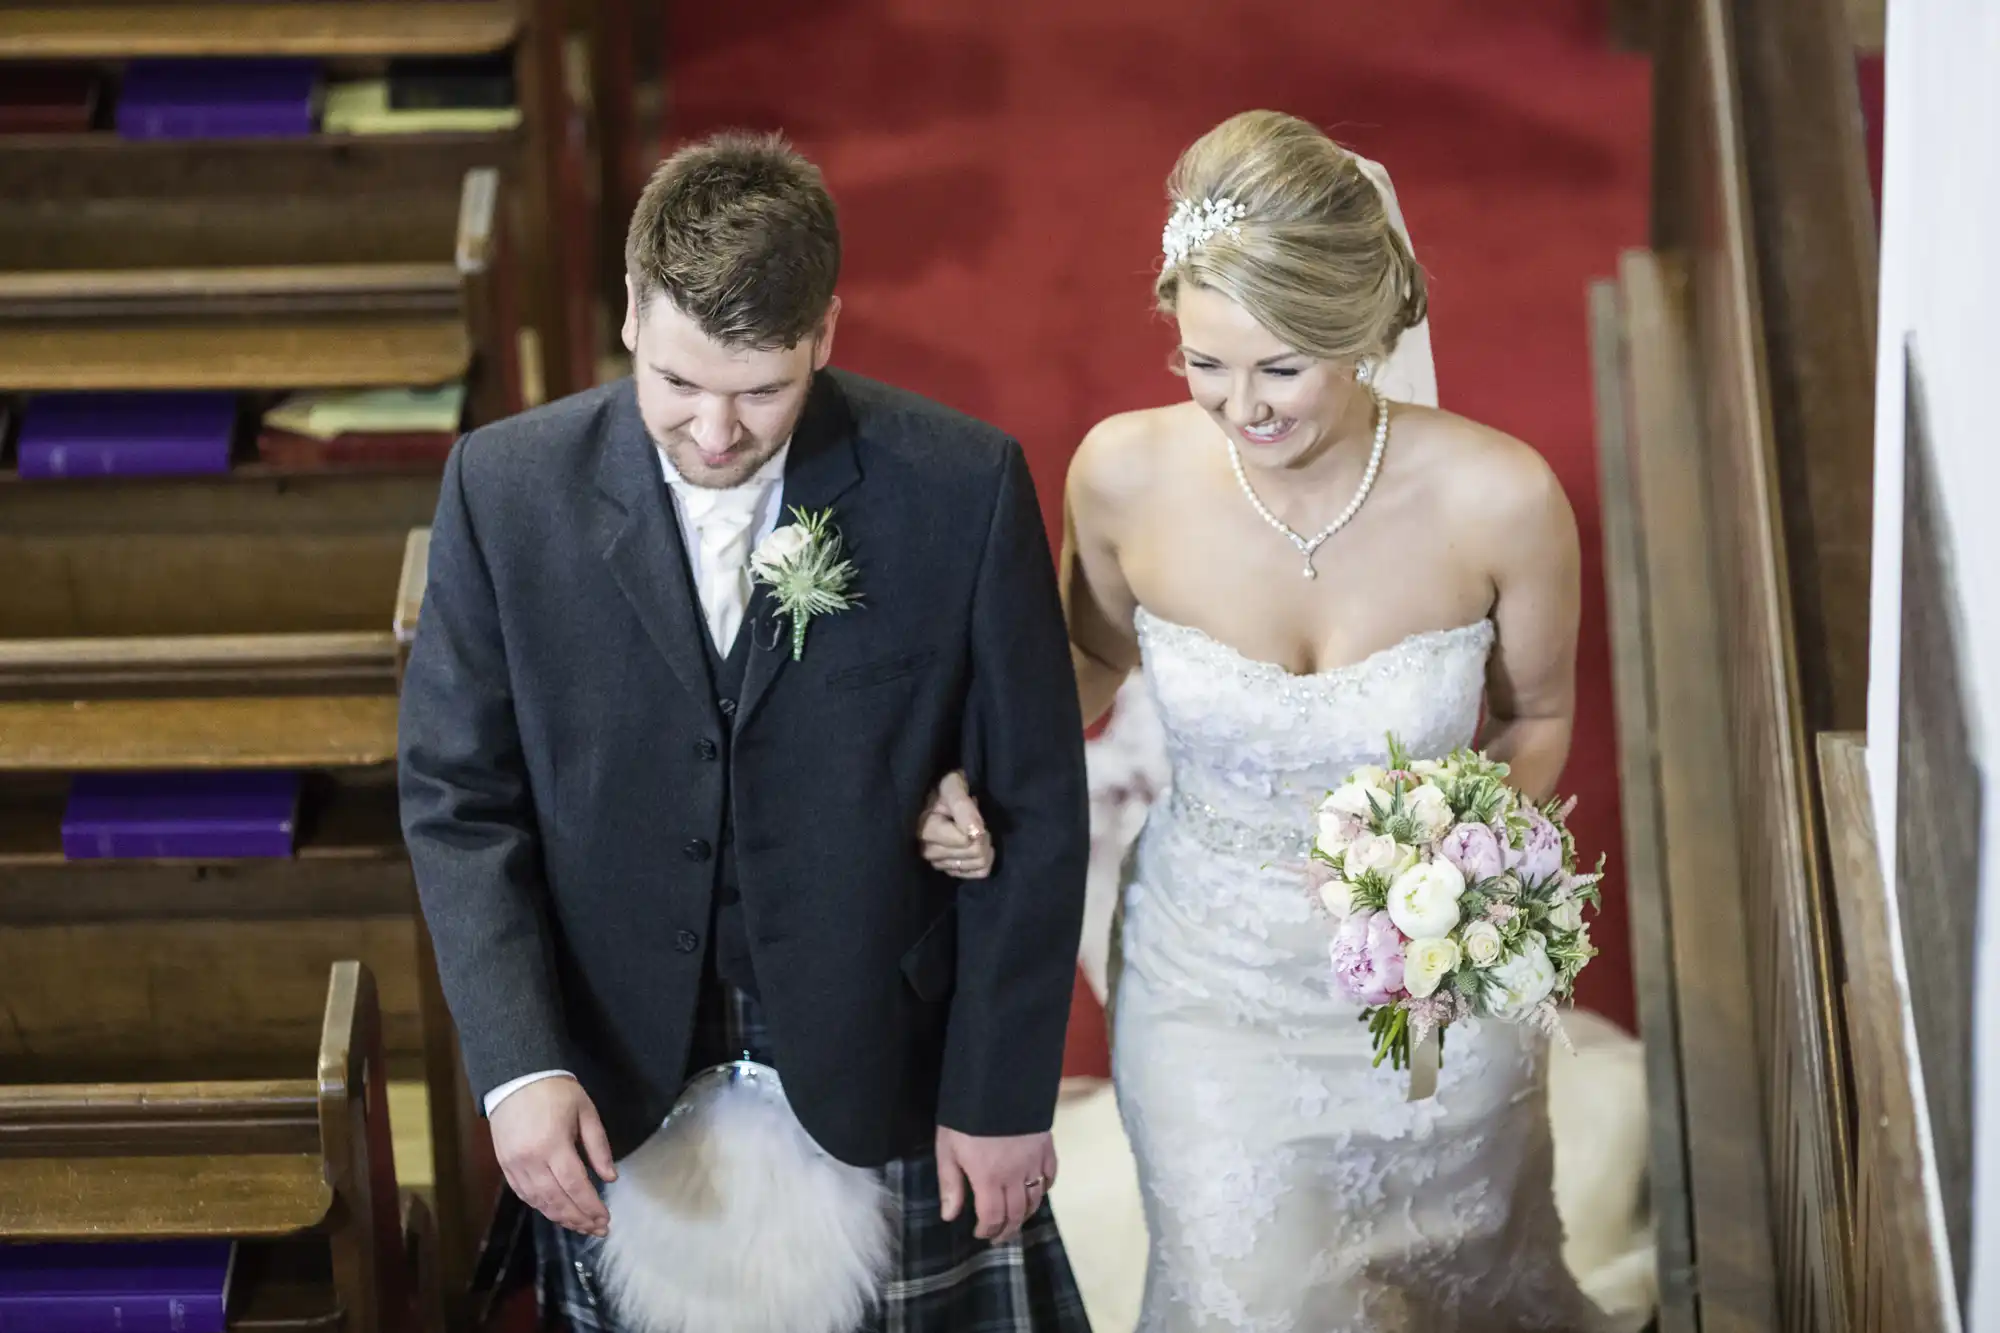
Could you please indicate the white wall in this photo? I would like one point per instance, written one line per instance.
(1940, 292)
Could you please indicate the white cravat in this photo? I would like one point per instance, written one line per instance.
(724, 525)
(720, 529)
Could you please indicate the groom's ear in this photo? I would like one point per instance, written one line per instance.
(823, 340)
(629, 332)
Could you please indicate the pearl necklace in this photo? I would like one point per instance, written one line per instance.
(1309, 546)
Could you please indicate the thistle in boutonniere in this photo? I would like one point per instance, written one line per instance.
(802, 565)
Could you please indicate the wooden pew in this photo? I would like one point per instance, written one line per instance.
(1734, 371)
(230, 284)
(553, 155)
(194, 969)
(295, 1165)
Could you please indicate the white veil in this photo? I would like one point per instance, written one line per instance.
(1408, 376)
(1128, 760)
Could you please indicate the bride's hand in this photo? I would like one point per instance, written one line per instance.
(953, 834)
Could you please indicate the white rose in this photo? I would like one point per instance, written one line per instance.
(1521, 983)
(782, 545)
(1380, 854)
(1434, 768)
(1355, 801)
(1338, 895)
(1349, 802)
(1482, 943)
(1426, 804)
(1336, 831)
(1426, 963)
(1369, 775)
(1423, 902)
(1566, 913)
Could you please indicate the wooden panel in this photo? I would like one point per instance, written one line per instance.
(246, 28)
(138, 584)
(302, 731)
(332, 663)
(190, 999)
(85, 1198)
(1899, 1285)
(233, 507)
(232, 223)
(1718, 1026)
(1811, 217)
(47, 171)
(1641, 816)
(326, 353)
(1938, 786)
(1704, 211)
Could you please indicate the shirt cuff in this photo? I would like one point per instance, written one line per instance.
(507, 1089)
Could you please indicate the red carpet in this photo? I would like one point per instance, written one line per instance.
(999, 170)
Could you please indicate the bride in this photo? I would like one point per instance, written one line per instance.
(1304, 558)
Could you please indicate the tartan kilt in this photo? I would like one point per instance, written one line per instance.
(945, 1279)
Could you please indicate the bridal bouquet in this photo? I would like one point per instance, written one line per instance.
(1456, 898)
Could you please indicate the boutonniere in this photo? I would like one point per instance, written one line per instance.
(802, 565)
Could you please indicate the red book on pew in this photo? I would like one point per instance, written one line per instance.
(49, 99)
(354, 449)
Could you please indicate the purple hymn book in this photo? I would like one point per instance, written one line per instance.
(162, 1286)
(218, 99)
(180, 816)
(125, 434)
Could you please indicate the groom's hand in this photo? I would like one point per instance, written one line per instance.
(1009, 1177)
(536, 1130)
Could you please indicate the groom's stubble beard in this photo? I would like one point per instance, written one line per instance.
(744, 460)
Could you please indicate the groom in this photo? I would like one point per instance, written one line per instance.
(649, 838)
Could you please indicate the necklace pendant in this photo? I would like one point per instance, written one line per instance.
(1311, 573)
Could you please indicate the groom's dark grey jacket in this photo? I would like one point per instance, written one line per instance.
(560, 785)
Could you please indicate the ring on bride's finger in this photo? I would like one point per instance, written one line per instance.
(1035, 1182)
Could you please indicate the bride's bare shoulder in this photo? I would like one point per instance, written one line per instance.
(1123, 457)
(1484, 473)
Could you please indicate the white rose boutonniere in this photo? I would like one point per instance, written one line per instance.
(802, 565)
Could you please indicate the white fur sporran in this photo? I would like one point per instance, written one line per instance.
(730, 1219)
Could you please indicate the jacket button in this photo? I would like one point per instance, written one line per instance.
(706, 749)
(696, 849)
(687, 941)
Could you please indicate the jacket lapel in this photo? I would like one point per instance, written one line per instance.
(821, 467)
(644, 549)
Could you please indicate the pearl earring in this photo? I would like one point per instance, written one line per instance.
(1363, 372)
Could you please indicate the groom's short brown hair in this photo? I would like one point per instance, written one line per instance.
(739, 232)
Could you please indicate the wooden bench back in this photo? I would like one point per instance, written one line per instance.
(269, 1159)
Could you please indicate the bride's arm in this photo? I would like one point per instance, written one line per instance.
(1531, 682)
(1097, 601)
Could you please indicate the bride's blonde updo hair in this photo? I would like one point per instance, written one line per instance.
(1314, 256)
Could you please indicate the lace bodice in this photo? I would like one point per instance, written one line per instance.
(1254, 746)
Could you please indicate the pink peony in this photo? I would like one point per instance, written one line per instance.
(1475, 850)
(1368, 958)
(1540, 854)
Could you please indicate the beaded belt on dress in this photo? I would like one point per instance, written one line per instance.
(1219, 832)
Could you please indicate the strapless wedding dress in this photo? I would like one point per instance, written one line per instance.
(1289, 1185)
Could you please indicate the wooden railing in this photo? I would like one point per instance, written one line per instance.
(1735, 370)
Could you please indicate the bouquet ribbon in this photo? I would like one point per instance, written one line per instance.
(1424, 1068)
